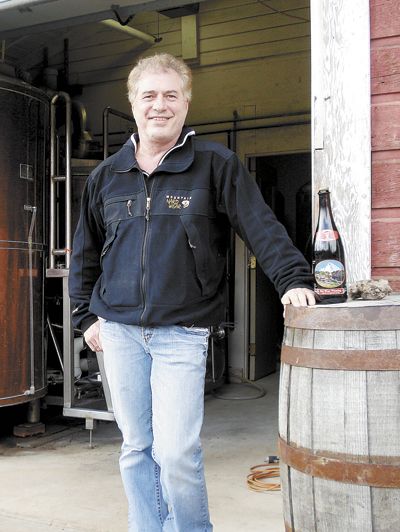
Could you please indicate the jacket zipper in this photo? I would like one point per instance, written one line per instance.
(147, 221)
(188, 134)
(146, 230)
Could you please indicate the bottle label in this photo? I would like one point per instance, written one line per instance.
(329, 291)
(329, 275)
(326, 235)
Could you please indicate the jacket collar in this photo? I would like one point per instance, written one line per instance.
(177, 159)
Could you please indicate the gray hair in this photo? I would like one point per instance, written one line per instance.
(160, 63)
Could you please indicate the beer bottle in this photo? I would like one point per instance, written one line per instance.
(328, 256)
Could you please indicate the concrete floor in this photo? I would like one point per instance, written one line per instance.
(58, 483)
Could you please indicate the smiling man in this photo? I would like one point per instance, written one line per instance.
(147, 282)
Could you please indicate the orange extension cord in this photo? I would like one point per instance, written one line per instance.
(258, 479)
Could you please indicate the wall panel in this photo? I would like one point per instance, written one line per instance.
(385, 139)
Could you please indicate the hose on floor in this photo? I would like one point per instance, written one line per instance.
(259, 478)
(251, 384)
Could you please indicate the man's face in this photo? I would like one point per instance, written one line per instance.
(160, 107)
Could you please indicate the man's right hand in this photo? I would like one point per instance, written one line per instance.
(92, 337)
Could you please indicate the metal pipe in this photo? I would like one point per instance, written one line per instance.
(110, 111)
(68, 179)
(56, 178)
(33, 414)
(68, 342)
(228, 131)
(219, 122)
(237, 118)
(53, 158)
(282, 124)
(33, 210)
(53, 336)
(128, 30)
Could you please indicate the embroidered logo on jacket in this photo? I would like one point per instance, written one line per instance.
(178, 202)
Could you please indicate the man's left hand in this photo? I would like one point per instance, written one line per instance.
(299, 297)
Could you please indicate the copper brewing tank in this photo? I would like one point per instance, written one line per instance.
(24, 112)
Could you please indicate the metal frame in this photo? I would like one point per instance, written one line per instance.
(106, 113)
(59, 262)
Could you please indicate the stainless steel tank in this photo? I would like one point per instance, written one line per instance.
(24, 112)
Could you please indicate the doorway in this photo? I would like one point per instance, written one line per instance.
(285, 183)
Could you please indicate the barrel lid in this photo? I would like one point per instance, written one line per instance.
(382, 315)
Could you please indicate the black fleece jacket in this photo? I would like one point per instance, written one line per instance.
(150, 249)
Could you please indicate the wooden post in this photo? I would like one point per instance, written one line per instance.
(341, 131)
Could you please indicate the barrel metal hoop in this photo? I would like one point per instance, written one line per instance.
(322, 466)
(350, 318)
(346, 359)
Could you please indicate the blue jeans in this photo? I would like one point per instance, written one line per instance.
(156, 378)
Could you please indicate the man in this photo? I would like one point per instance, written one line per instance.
(147, 280)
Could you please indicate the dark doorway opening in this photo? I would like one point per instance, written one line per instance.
(285, 183)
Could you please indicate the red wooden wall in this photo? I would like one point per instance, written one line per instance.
(385, 115)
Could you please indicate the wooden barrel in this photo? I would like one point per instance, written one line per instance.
(339, 417)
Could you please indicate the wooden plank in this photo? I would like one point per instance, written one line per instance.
(261, 50)
(125, 54)
(386, 215)
(302, 488)
(380, 340)
(249, 23)
(300, 420)
(102, 68)
(229, 10)
(328, 410)
(223, 5)
(284, 388)
(286, 492)
(394, 272)
(190, 39)
(385, 18)
(289, 335)
(354, 340)
(342, 507)
(385, 509)
(394, 281)
(385, 69)
(384, 413)
(386, 183)
(355, 429)
(340, 425)
(341, 122)
(328, 339)
(385, 130)
(386, 243)
(114, 69)
(251, 38)
(384, 430)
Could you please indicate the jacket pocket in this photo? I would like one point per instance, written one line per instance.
(110, 237)
(209, 264)
(120, 208)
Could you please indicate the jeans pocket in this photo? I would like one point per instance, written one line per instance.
(200, 331)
